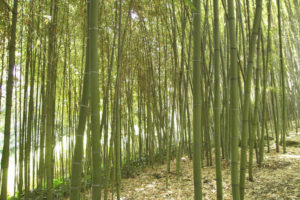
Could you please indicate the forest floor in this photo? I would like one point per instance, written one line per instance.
(279, 178)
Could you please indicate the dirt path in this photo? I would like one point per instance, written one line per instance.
(278, 179)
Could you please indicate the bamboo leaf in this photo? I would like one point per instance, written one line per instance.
(189, 4)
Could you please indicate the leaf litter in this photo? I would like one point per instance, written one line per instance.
(278, 178)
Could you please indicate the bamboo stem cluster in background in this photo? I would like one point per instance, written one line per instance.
(96, 89)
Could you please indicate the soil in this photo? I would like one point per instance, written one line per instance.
(278, 178)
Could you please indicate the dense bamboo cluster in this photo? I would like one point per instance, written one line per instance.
(92, 90)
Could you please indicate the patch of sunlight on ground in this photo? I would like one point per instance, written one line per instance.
(290, 156)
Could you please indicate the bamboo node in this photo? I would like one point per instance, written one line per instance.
(93, 28)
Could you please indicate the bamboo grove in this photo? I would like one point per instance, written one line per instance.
(91, 90)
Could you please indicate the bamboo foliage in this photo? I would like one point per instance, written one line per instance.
(92, 92)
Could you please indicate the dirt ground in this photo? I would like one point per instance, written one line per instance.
(278, 179)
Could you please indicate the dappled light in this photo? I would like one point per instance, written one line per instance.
(145, 99)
